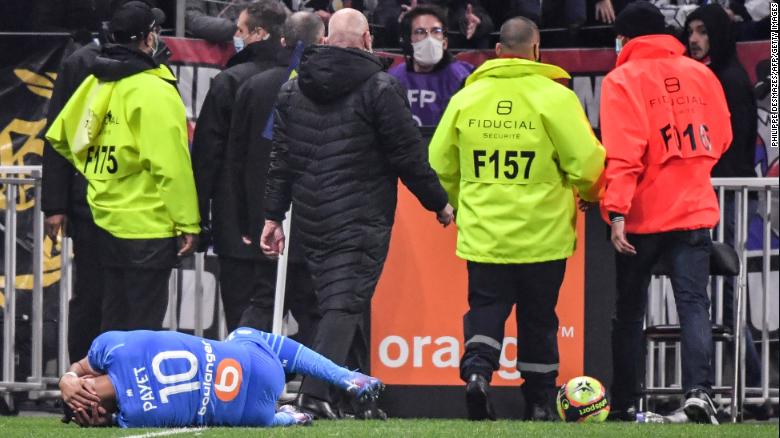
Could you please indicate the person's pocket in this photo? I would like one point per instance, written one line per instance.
(698, 238)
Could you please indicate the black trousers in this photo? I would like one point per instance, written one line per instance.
(248, 290)
(135, 280)
(85, 306)
(341, 337)
(493, 290)
(687, 253)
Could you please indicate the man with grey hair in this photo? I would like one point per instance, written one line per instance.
(343, 135)
(248, 154)
(516, 219)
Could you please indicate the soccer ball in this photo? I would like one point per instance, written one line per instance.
(583, 399)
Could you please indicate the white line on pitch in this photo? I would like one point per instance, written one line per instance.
(168, 432)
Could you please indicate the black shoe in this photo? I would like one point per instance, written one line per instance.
(320, 409)
(622, 414)
(477, 399)
(366, 409)
(6, 410)
(699, 407)
(541, 412)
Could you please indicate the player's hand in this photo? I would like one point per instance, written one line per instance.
(272, 239)
(605, 12)
(187, 244)
(619, 240)
(77, 393)
(472, 21)
(53, 224)
(96, 416)
(446, 215)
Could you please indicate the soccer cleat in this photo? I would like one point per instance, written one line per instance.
(367, 409)
(364, 387)
(477, 399)
(625, 414)
(699, 407)
(319, 409)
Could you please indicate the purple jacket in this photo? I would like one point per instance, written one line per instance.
(429, 93)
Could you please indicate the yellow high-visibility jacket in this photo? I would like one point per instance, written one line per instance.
(509, 150)
(129, 139)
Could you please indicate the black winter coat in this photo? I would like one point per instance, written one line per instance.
(343, 135)
(249, 152)
(209, 143)
(64, 189)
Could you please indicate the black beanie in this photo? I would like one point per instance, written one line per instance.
(640, 18)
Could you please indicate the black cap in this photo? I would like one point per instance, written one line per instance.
(134, 20)
(638, 19)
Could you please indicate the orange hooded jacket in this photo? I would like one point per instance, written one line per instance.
(664, 124)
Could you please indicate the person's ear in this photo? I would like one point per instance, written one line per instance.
(283, 41)
(445, 43)
(149, 43)
(368, 41)
(498, 49)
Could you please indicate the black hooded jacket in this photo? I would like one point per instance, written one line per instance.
(63, 188)
(739, 159)
(343, 135)
(209, 144)
(117, 62)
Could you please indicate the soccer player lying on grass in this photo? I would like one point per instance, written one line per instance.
(169, 379)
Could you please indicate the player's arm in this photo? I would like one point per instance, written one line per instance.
(76, 391)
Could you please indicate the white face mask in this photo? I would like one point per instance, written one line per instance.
(429, 51)
(238, 43)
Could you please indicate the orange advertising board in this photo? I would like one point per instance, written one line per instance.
(417, 312)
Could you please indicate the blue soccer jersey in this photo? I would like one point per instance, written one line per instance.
(170, 379)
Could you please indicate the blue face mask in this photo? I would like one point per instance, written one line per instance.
(618, 45)
(238, 43)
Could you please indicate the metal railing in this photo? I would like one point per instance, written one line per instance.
(661, 307)
(14, 179)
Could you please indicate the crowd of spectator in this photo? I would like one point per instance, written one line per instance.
(470, 23)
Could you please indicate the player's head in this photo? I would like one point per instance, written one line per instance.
(102, 415)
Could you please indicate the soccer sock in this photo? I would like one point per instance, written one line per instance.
(297, 358)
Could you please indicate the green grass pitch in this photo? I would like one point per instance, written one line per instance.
(51, 427)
